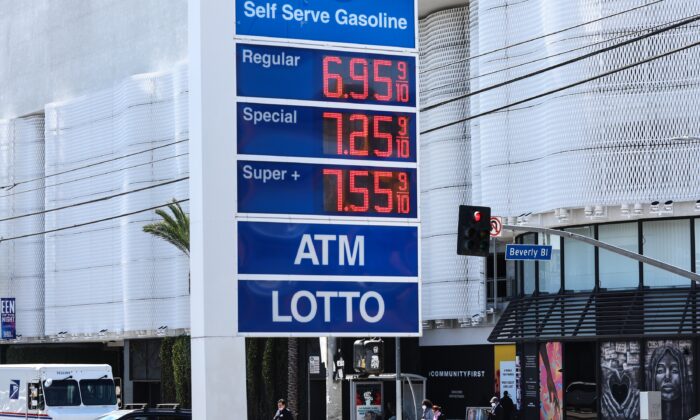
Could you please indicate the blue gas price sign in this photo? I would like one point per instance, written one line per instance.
(317, 189)
(368, 22)
(321, 307)
(284, 130)
(322, 75)
(327, 249)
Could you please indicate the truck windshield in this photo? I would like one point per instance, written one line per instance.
(98, 392)
(62, 393)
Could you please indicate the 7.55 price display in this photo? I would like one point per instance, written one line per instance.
(310, 74)
(326, 190)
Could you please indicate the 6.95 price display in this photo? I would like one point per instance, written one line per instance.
(318, 189)
(322, 75)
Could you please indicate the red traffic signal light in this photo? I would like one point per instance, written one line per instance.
(477, 216)
(473, 231)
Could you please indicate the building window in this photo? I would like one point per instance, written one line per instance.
(528, 267)
(550, 271)
(616, 271)
(667, 241)
(697, 245)
(579, 261)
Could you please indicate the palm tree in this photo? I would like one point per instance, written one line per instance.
(174, 229)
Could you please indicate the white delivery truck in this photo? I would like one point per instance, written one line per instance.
(60, 392)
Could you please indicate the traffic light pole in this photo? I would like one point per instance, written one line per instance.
(638, 257)
(399, 397)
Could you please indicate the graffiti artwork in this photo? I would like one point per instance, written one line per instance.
(669, 369)
(620, 370)
(551, 384)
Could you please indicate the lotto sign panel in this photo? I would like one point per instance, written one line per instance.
(7, 317)
(327, 168)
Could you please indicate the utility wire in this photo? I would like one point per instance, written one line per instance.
(96, 200)
(92, 222)
(94, 176)
(566, 62)
(430, 69)
(605, 41)
(13, 185)
(550, 92)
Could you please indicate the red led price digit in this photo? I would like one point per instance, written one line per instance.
(378, 119)
(383, 191)
(362, 133)
(402, 92)
(402, 144)
(403, 126)
(328, 77)
(359, 190)
(403, 202)
(403, 71)
(339, 129)
(339, 185)
(382, 79)
(362, 77)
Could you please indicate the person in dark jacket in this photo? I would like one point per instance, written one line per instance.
(508, 406)
(282, 412)
(496, 410)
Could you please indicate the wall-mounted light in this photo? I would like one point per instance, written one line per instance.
(588, 211)
(427, 325)
(625, 209)
(638, 209)
(162, 330)
(697, 205)
(562, 214)
(599, 211)
(102, 332)
(668, 206)
(654, 208)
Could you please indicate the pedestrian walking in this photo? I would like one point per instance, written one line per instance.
(282, 412)
(496, 409)
(437, 413)
(427, 410)
(508, 406)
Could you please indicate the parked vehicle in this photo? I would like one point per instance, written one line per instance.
(144, 413)
(59, 392)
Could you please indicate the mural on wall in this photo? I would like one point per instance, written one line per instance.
(669, 369)
(620, 373)
(551, 384)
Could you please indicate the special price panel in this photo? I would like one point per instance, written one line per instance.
(317, 189)
(321, 75)
(283, 130)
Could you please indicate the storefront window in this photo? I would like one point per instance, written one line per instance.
(528, 273)
(579, 261)
(550, 271)
(667, 241)
(697, 245)
(616, 271)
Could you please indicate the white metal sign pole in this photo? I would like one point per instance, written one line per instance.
(218, 356)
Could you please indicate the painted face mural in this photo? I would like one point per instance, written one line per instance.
(669, 369)
(620, 373)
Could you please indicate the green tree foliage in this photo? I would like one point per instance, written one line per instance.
(167, 375)
(174, 229)
(181, 371)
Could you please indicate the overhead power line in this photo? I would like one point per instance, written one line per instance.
(92, 222)
(150, 162)
(428, 70)
(553, 91)
(605, 41)
(566, 63)
(96, 200)
(15, 184)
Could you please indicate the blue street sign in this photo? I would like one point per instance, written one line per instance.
(528, 252)
(315, 189)
(284, 72)
(338, 307)
(327, 249)
(367, 22)
(284, 130)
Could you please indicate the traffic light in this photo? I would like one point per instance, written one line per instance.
(473, 231)
(368, 356)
